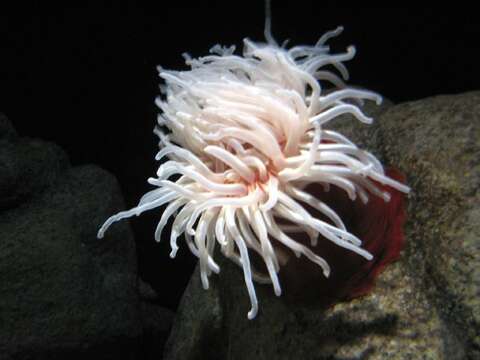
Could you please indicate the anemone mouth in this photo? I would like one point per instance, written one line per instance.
(245, 135)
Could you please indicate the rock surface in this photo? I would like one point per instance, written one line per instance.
(156, 322)
(437, 142)
(64, 294)
(425, 306)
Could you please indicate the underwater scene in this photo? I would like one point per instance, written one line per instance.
(236, 180)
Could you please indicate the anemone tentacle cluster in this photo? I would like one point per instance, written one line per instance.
(244, 136)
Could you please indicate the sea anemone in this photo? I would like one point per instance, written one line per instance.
(245, 136)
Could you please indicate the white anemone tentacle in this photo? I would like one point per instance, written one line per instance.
(244, 135)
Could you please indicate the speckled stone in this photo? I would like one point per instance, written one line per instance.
(436, 142)
(27, 166)
(425, 306)
(395, 321)
(64, 294)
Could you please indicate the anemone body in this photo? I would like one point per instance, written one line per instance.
(244, 136)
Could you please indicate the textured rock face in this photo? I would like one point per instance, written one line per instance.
(438, 141)
(425, 306)
(63, 293)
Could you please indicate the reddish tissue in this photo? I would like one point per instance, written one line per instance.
(378, 224)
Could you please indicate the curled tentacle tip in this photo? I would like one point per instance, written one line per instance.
(252, 314)
(368, 120)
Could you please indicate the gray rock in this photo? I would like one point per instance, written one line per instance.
(437, 143)
(63, 293)
(395, 321)
(146, 292)
(197, 331)
(425, 306)
(156, 322)
(27, 167)
(7, 131)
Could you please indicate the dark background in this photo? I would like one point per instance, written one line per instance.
(85, 77)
